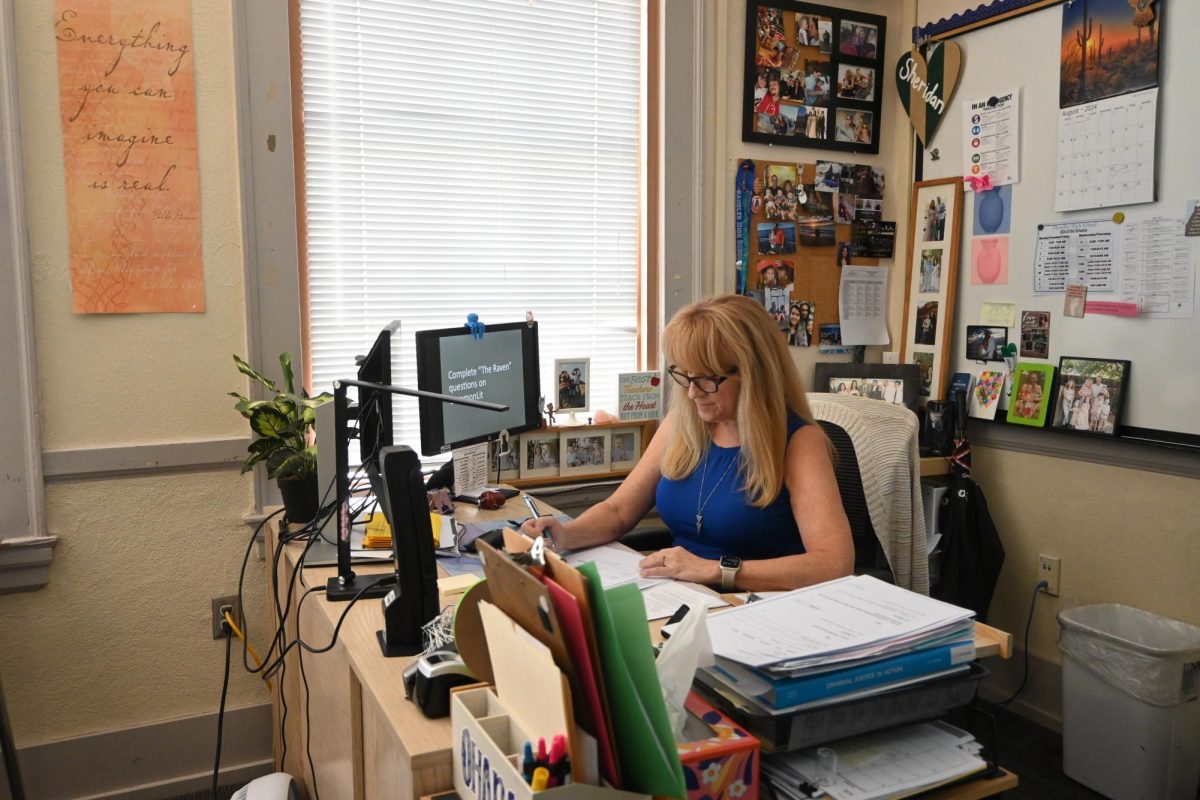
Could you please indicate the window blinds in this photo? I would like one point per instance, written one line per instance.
(472, 156)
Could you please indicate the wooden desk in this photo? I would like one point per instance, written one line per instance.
(368, 740)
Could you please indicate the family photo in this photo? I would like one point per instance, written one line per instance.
(853, 126)
(776, 237)
(585, 451)
(572, 384)
(774, 273)
(858, 39)
(1089, 395)
(934, 223)
(985, 343)
(886, 389)
(856, 83)
(926, 332)
(931, 271)
(801, 316)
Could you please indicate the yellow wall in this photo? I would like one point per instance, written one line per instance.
(122, 634)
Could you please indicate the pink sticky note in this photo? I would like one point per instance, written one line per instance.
(1111, 308)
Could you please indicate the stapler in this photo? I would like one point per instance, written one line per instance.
(429, 679)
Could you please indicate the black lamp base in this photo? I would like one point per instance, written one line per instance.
(376, 586)
(391, 650)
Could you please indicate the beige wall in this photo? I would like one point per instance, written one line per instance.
(122, 636)
(1124, 536)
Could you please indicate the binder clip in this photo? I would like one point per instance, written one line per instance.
(476, 327)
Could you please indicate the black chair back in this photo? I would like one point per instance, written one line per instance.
(868, 555)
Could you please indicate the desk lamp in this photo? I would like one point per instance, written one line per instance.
(346, 585)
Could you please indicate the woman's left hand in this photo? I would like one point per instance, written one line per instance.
(680, 564)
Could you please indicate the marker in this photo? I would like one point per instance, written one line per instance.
(527, 763)
(558, 760)
(541, 777)
(542, 759)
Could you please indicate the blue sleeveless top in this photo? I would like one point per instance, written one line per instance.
(731, 525)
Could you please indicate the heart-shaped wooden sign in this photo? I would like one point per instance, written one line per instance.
(926, 85)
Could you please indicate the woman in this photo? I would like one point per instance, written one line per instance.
(797, 334)
(740, 473)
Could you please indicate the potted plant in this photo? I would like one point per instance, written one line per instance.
(285, 444)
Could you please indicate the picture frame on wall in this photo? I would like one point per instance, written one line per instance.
(893, 383)
(1090, 395)
(813, 76)
(929, 283)
(584, 452)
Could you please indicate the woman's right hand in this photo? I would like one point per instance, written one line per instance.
(548, 527)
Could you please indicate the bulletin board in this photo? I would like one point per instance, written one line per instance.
(1023, 54)
(812, 261)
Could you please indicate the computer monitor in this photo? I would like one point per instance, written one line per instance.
(502, 367)
(375, 405)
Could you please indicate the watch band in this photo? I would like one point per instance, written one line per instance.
(728, 577)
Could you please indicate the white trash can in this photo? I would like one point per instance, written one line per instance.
(1131, 715)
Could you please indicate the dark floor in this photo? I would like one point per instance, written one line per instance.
(1034, 753)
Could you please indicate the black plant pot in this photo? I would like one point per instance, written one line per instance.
(301, 498)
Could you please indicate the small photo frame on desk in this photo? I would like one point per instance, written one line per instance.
(504, 466)
(540, 455)
(626, 448)
(1090, 396)
(1033, 390)
(584, 452)
(572, 376)
(985, 342)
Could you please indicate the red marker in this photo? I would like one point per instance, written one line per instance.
(559, 763)
(542, 759)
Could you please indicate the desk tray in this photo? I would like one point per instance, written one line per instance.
(839, 720)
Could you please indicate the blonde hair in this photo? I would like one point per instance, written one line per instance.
(714, 337)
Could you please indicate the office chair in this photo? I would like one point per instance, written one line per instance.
(869, 558)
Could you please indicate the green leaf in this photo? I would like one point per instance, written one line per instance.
(263, 446)
(287, 464)
(268, 421)
(248, 370)
(285, 361)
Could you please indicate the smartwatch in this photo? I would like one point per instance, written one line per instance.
(729, 570)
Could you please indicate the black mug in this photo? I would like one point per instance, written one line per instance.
(937, 428)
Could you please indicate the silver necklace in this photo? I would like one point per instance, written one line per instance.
(701, 505)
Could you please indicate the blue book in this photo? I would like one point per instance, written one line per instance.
(787, 692)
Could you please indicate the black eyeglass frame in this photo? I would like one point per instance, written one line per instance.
(683, 380)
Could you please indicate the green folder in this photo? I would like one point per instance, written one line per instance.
(644, 742)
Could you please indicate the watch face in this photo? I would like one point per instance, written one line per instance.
(730, 562)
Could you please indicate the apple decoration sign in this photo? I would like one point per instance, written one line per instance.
(639, 396)
(926, 83)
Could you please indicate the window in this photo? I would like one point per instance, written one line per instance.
(472, 157)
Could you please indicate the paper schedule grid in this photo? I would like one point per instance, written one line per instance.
(840, 619)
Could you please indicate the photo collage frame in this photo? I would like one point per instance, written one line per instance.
(934, 224)
(581, 450)
(814, 76)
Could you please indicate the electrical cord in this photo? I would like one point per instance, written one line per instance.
(221, 714)
(238, 632)
(1028, 624)
(312, 770)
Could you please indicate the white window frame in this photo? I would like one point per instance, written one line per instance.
(264, 68)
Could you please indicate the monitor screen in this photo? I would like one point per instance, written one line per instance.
(375, 406)
(502, 367)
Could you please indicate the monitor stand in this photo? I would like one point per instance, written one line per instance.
(360, 586)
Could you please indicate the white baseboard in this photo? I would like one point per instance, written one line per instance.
(149, 762)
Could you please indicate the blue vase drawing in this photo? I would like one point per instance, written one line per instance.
(991, 210)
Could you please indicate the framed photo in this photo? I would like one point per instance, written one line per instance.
(985, 397)
(1091, 392)
(985, 342)
(812, 76)
(540, 455)
(626, 448)
(572, 376)
(504, 466)
(584, 452)
(892, 383)
(929, 282)
(1033, 388)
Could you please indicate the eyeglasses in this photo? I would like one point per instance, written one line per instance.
(705, 383)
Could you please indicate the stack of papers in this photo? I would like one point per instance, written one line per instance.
(834, 642)
(876, 766)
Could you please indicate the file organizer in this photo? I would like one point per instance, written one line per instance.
(487, 745)
(816, 726)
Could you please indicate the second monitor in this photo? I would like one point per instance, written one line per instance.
(502, 367)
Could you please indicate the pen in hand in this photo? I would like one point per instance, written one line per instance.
(532, 506)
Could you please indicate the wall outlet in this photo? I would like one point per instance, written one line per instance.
(1050, 571)
(219, 605)
(891, 357)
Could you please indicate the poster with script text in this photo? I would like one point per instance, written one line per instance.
(128, 108)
